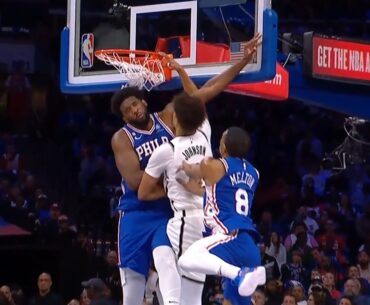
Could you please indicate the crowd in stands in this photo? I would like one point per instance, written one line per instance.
(314, 222)
(58, 181)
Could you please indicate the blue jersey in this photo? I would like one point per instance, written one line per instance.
(144, 143)
(229, 201)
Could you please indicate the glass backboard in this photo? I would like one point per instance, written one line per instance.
(205, 36)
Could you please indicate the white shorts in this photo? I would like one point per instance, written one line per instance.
(183, 230)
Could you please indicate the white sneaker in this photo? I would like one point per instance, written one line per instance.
(249, 278)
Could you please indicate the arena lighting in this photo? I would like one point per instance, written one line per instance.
(354, 149)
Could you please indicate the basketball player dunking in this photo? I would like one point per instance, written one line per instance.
(191, 144)
(142, 226)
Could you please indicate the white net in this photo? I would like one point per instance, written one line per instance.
(139, 72)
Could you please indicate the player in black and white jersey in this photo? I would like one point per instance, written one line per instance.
(191, 144)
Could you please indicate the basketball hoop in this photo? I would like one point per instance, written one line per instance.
(143, 69)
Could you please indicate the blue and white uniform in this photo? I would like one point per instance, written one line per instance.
(142, 224)
(227, 209)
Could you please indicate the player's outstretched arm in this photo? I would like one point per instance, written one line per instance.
(187, 83)
(218, 83)
(126, 159)
(211, 170)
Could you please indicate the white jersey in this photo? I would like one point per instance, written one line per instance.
(167, 159)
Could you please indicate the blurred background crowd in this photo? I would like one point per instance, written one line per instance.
(59, 185)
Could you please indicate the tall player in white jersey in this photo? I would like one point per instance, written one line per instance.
(191, 144)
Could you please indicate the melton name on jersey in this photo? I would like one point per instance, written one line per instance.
(229, 201)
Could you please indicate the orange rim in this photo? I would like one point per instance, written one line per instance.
(141, 56)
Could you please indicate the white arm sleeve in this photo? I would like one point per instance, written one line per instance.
(159, 161)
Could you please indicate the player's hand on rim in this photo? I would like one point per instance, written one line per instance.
(252, 46)
(170, 62)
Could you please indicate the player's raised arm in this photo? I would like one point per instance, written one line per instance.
(187, 84)
(126, 159)
(218, 83)
(211, 170)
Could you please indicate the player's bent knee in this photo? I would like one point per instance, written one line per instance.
(185, 262)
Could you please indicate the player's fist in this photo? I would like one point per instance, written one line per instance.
(169, 62)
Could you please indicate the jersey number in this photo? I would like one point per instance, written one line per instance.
(242, 203)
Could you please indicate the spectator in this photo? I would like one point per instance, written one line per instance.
(345, 210)
(45, 296)
(292, 238)
(66, 232)
(316, 280)
(3, 300)
(294, 270)
(5, 290)
(269, 262)
(301, 246)
(364, 265)
(110, 274)
(352, 289)
(97, 292)
(17, 295)
(274, 292)
(316, 175)
(265, 225)
(316, 255)
(304, 216)
(345, 300)
(332, 243)
(276, 249)
(51, 224)
(289, 300)
(315, 298)
(42, 208)
(329, 284)
(259, 297)
(84, 298)
(354, 273)
(296, 289)
(12, 161)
